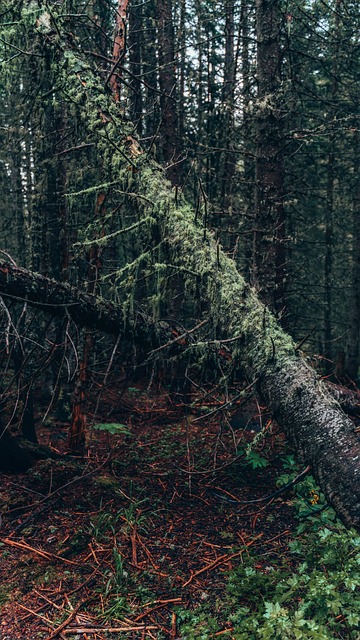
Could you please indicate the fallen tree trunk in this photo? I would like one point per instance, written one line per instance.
(312, 420)
(59, 298)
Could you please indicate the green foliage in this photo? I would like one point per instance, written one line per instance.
(5, 594)
(103, 526)
(199, 625)
(318, 599)
(114, 428)
(316, 595)
(255, 460)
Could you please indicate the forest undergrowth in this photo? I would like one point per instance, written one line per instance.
(161, 532)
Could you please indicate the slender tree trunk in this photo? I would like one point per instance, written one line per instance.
(353, 341)
(330, 204)
(168, 88)
(181, 41)
(200, 120)
(247, 222)
(228, 104)
(135, 62)
(77, 432)
(150, 63)
(328, 263)
(269, 235)
(119, 48)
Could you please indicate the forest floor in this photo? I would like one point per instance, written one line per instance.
(140, 534)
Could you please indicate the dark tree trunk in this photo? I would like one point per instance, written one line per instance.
(119, 48)
(59, 298)
(246, 222)
(269, 235)
(135, 60)
(228, 105)
(353, 340)
(167, 83)
(330, 197)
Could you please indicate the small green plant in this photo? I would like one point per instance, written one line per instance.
(255, 460)
(197, 625)
(102, 526)
(133, 518)
(5, 593)
(117, 608)
(120, 575)
(113, 428)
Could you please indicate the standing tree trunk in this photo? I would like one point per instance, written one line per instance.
(330, 189)
(246, 222)
(167, 84)
(135, 63)
(269, 234)
(228, 105)
(77, 433)
(353, 341)
(119, 48)
(182, 56)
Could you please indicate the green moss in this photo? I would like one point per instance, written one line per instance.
(171, 242)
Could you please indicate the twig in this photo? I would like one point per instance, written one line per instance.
(221, 560)
(38, 615)
(155, 608)
(66, 622)
(178, 338)
(142, 627)
(229, 403)
(43, 554)
(300, 344)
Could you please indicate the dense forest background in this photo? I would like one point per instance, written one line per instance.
(253, 109)
(151, 154)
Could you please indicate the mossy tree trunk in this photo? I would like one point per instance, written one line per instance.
(321, 433)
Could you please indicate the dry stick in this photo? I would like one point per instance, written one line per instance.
(150, 558)
(142, 627)
(47, 600)
(230, 402)
(38, 615)
(43, 554)
(106, 376)
(178, 338)
(221, 560)
(66, 622)
(88, 580)
(158, 606)
(168, 601)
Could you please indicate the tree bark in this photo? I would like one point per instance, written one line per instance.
(59, 298)
(119, 48)
(353, 340)
(269, 236)
(167, 83)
